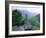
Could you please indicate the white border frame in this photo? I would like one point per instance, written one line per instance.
(25, 32)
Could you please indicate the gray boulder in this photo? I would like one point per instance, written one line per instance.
(18, 28)
(27, 27)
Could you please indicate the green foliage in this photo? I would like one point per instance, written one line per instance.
(17, 17)
(18, 20)
(35, 22)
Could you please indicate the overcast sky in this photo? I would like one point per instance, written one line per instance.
(33, 10)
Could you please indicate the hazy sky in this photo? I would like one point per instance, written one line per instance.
(33, 10)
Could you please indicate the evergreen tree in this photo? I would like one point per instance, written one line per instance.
(35, 22)
(17, 18)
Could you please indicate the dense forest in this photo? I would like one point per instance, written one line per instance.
(26, 23)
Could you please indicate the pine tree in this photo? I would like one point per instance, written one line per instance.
(17, 18)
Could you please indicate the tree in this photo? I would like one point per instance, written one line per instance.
(17, 18)
(35, 22)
